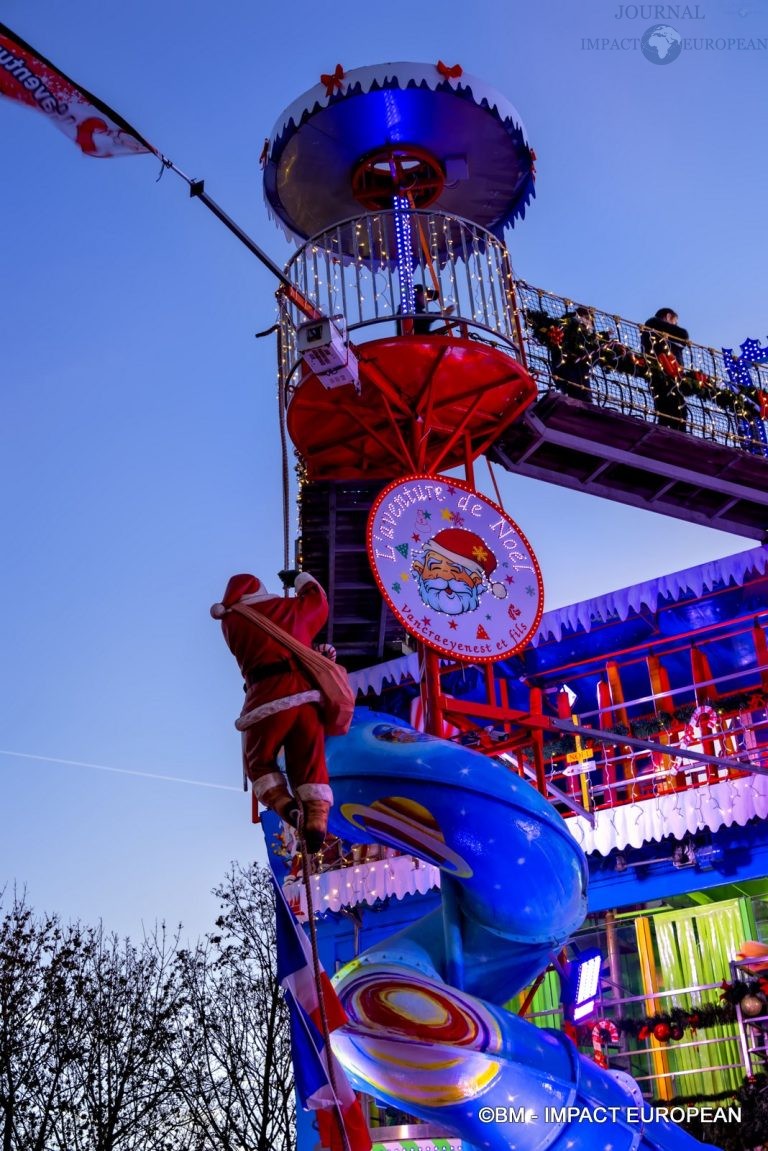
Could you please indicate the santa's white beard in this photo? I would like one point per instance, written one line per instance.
(452, 597)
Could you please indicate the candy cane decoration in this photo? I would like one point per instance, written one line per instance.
(693, 735)
(603, 1028)
(604, 1031)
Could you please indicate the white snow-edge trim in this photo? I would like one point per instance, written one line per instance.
(699, 579)
(304, 579)
(247, 719)
(402, 74)
(309, 791)
(395, 670)
(265, 783)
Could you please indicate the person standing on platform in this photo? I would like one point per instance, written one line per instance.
(423, 319)
(576, 354)
(663, 341)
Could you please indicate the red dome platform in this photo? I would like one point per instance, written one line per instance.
(427, 403)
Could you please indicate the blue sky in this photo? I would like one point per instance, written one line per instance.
(139, 453)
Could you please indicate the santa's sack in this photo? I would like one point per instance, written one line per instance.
(333, 683)
(328, 677)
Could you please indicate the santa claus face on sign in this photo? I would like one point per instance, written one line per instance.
(455, 571)
(447, 586)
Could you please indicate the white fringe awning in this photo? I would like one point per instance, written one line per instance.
(363, 883)
(684, 812)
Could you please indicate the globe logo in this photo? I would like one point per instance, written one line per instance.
(661, 44)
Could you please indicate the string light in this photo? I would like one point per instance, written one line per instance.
(403, 242)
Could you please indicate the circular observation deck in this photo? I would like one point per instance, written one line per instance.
(436, 387)
(469, 141)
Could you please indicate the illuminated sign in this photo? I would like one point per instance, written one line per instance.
(454, 568)
(581, 984)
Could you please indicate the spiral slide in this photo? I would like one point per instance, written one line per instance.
(427, 1032)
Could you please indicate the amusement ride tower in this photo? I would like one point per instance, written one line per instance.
(400, 349)
(401, 359)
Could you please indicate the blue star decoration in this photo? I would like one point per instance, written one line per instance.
(751, 350)
(427, 515)
(487, 615)
(395, 586)
(530, 590)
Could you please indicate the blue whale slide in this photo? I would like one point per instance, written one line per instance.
(427, 1032)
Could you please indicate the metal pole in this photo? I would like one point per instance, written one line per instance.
(197, 189)
(649, 745)
(429, 672)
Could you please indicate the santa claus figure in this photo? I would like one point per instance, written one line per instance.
(281, 708)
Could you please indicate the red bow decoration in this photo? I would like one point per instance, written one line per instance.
(449, 73)
(762, 399)
(533, 161)
(264, 154)
(555, 335)
(333, 81)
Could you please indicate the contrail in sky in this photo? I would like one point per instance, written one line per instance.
(121, 770)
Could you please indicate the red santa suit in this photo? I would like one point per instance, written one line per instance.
(281, 708)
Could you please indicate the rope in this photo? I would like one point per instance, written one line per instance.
(319, 987)
(281, 410)
(427, 254)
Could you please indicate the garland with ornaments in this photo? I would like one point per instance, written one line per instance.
(665, 1026)
(670, 1026)
(599, 348)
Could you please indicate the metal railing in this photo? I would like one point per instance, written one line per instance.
(753, 1029)
(690, 745)
(351, 273)
(641, 1058)
(620, 375)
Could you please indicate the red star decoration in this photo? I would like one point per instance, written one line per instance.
(451, 491)
(426, 620)
(452, 624)
(415, 537)
(510, 579)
